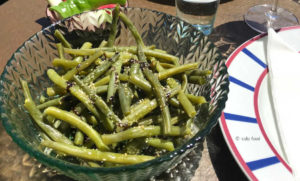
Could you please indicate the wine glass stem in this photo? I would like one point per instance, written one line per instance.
(274, 6)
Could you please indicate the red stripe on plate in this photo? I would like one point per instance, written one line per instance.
(235, 150)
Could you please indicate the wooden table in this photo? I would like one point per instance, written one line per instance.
(21, 19)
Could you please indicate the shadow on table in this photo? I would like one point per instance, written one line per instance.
(2, 1)
(227, 38)
(44, 22)
(224, 164)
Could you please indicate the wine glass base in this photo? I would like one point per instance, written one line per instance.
(260, 17)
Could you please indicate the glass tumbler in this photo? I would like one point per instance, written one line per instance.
(200, 13)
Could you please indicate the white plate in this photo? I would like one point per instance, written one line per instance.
(247, 120)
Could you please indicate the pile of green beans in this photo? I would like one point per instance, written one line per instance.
(111, 105)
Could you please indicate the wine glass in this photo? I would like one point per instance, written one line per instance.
(260, 17)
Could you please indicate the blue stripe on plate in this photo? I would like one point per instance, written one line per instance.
(258, 164)
(253, 57)
(236, 117)
(240, 83)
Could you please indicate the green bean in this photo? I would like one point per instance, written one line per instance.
(108, 72)
(157, 87)
(103, 44)
(137, 80)
(132, 29)
(100, 70)
(43, 99)
(86, 45)
(50, 119)
(140, 74)
(174, 91)
(166, 65)
(199, 72)
(174, 102)
(67, 64)
(114, 26)
(114, 80)
(134, 68)
(103, 81)
(57, 79)
(125, 98)
(45, 136)
(110, 116)
(148, 52)
(156, 64)
(156, 119)
(82, 65)
(184, 82)
(57, 123)
(194, 79)
(159, 143)
(101, 89)
(62, 39)
(92, 154)
(51, 91)
(38, 117)
(161, 100)
(74, 90)
(75, 121)
(188, 126)
(81, 52)
(79, 138)
(141, 83)
(92, 120)
(135, 146)
(126, 56)
(53, 102)
(186, 104)
(159, 55)
(153, 47)
(93, 164)
(196, 99)
(177, 70)
(78, 109)
(158, 91)
(138, 132)
(182, 98)
(60, 50)
(88, 70)
(139, 104)
(140, 111)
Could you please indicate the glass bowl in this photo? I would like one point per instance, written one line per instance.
(166, 32)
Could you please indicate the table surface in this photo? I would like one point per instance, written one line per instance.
(21, 19)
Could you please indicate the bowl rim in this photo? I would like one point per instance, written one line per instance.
(40, 156)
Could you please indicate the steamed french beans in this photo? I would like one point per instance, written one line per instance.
(38, 117)
(75, 121)
(114, 98)
(140, 131)
(110, 116)
(114, 24)
(92, 154)
(159, 143)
